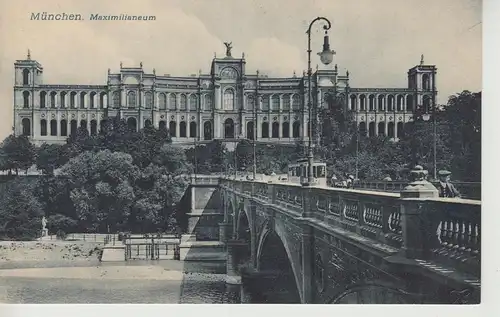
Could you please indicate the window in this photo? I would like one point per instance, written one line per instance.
(229, 129)
(64, 128)
(148, 96)
(371, 100)
(93, 127)
(250, 102)
(102, 100)
(229, 99)
(162, 125)
(43, 127)
(73, 127)
(53, 99)
(250, 127)
(286, 129)
(286, 102)
(353, 102)
(208, 102)
(193, 102)
(26, 99)
(82, 100)
(131, 99)
(296, 129)
(265, 103)
(295, 102)
(276, 130)
(43, 99)
(207, 130)
(116, 99)
(132, 124)
(183, 102)
(192, 129)
(26, 77)
(63, 99)
(92, 99)
(172, 128)
(53, 127)
(182, 129)
(172, 102)
(275, 103)
(381, 103)
(26, 123)
(265, 130)
(163, 101)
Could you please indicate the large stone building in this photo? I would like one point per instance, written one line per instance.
(224, 104)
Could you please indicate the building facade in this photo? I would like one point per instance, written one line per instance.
(227, 103)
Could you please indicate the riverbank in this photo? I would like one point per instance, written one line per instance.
(51, 251)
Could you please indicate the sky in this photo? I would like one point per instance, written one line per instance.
(377, 41)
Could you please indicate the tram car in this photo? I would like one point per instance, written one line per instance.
(298, 172)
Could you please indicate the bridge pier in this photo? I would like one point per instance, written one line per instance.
(224, 231)
(234, 249)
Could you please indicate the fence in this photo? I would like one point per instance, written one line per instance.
(152, 247)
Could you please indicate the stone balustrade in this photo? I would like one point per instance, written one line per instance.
(446, 231)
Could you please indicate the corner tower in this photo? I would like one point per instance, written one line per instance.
(422, 79)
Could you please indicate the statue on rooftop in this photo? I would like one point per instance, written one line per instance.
(228, 48)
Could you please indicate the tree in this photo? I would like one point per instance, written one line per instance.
(18, 153)
(244, 155)
(51, 157)
(20, 212)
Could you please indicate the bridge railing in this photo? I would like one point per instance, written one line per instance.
(439, 230)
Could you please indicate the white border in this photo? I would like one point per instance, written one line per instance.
(490, 212)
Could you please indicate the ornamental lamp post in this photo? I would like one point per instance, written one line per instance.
(326, 57)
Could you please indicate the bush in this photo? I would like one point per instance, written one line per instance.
(61, 235)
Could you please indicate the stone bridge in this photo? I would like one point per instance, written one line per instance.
(288, 243)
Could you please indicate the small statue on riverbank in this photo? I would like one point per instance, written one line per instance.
(45, 231)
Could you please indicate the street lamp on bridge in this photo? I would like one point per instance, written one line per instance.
(326, 57)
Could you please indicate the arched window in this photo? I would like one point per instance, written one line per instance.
(286, 102)
(26, 99)
(63, 99)
(285, 130)
(192, 129)
(400, 129)
(353, 102)
(208, 103)
(276, 130)
(229, 99)
(381, 103)
(26, 77)
(73, 127)
(426, 82)
(296, 129)
(64, 128)
(53, 99)
(362, 128)
(265, 129)
(409, 103)
(207, 130)
(163, 101)
(371, 129)
(275, 103)
(43, 127)
(148, 96)
(103, 125)
(400, 103)
(53, 127)
(250, 102)
(381, 128)
(26, 123)
(162, 125)
(295, 102)
(371, 101)
(132, 124)
(193, 102)
(92, 100)
(265, 103)
(172, 128)
(183, 102)
(250, 127)
(83, 124)
(390, 103)
(72, 99)
(229, 128)
(82, 100)
(116, 99)
(147, 123)
(93, 127)
(102, 100)
(43, 99)
(182, 129)
(172, 101)
(131, 99)
(390, 130)
(362, 102)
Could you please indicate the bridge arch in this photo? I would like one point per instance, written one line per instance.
(274, 260)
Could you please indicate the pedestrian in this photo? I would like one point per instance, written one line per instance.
(446, 188)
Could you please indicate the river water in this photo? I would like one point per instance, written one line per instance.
(196, 282)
